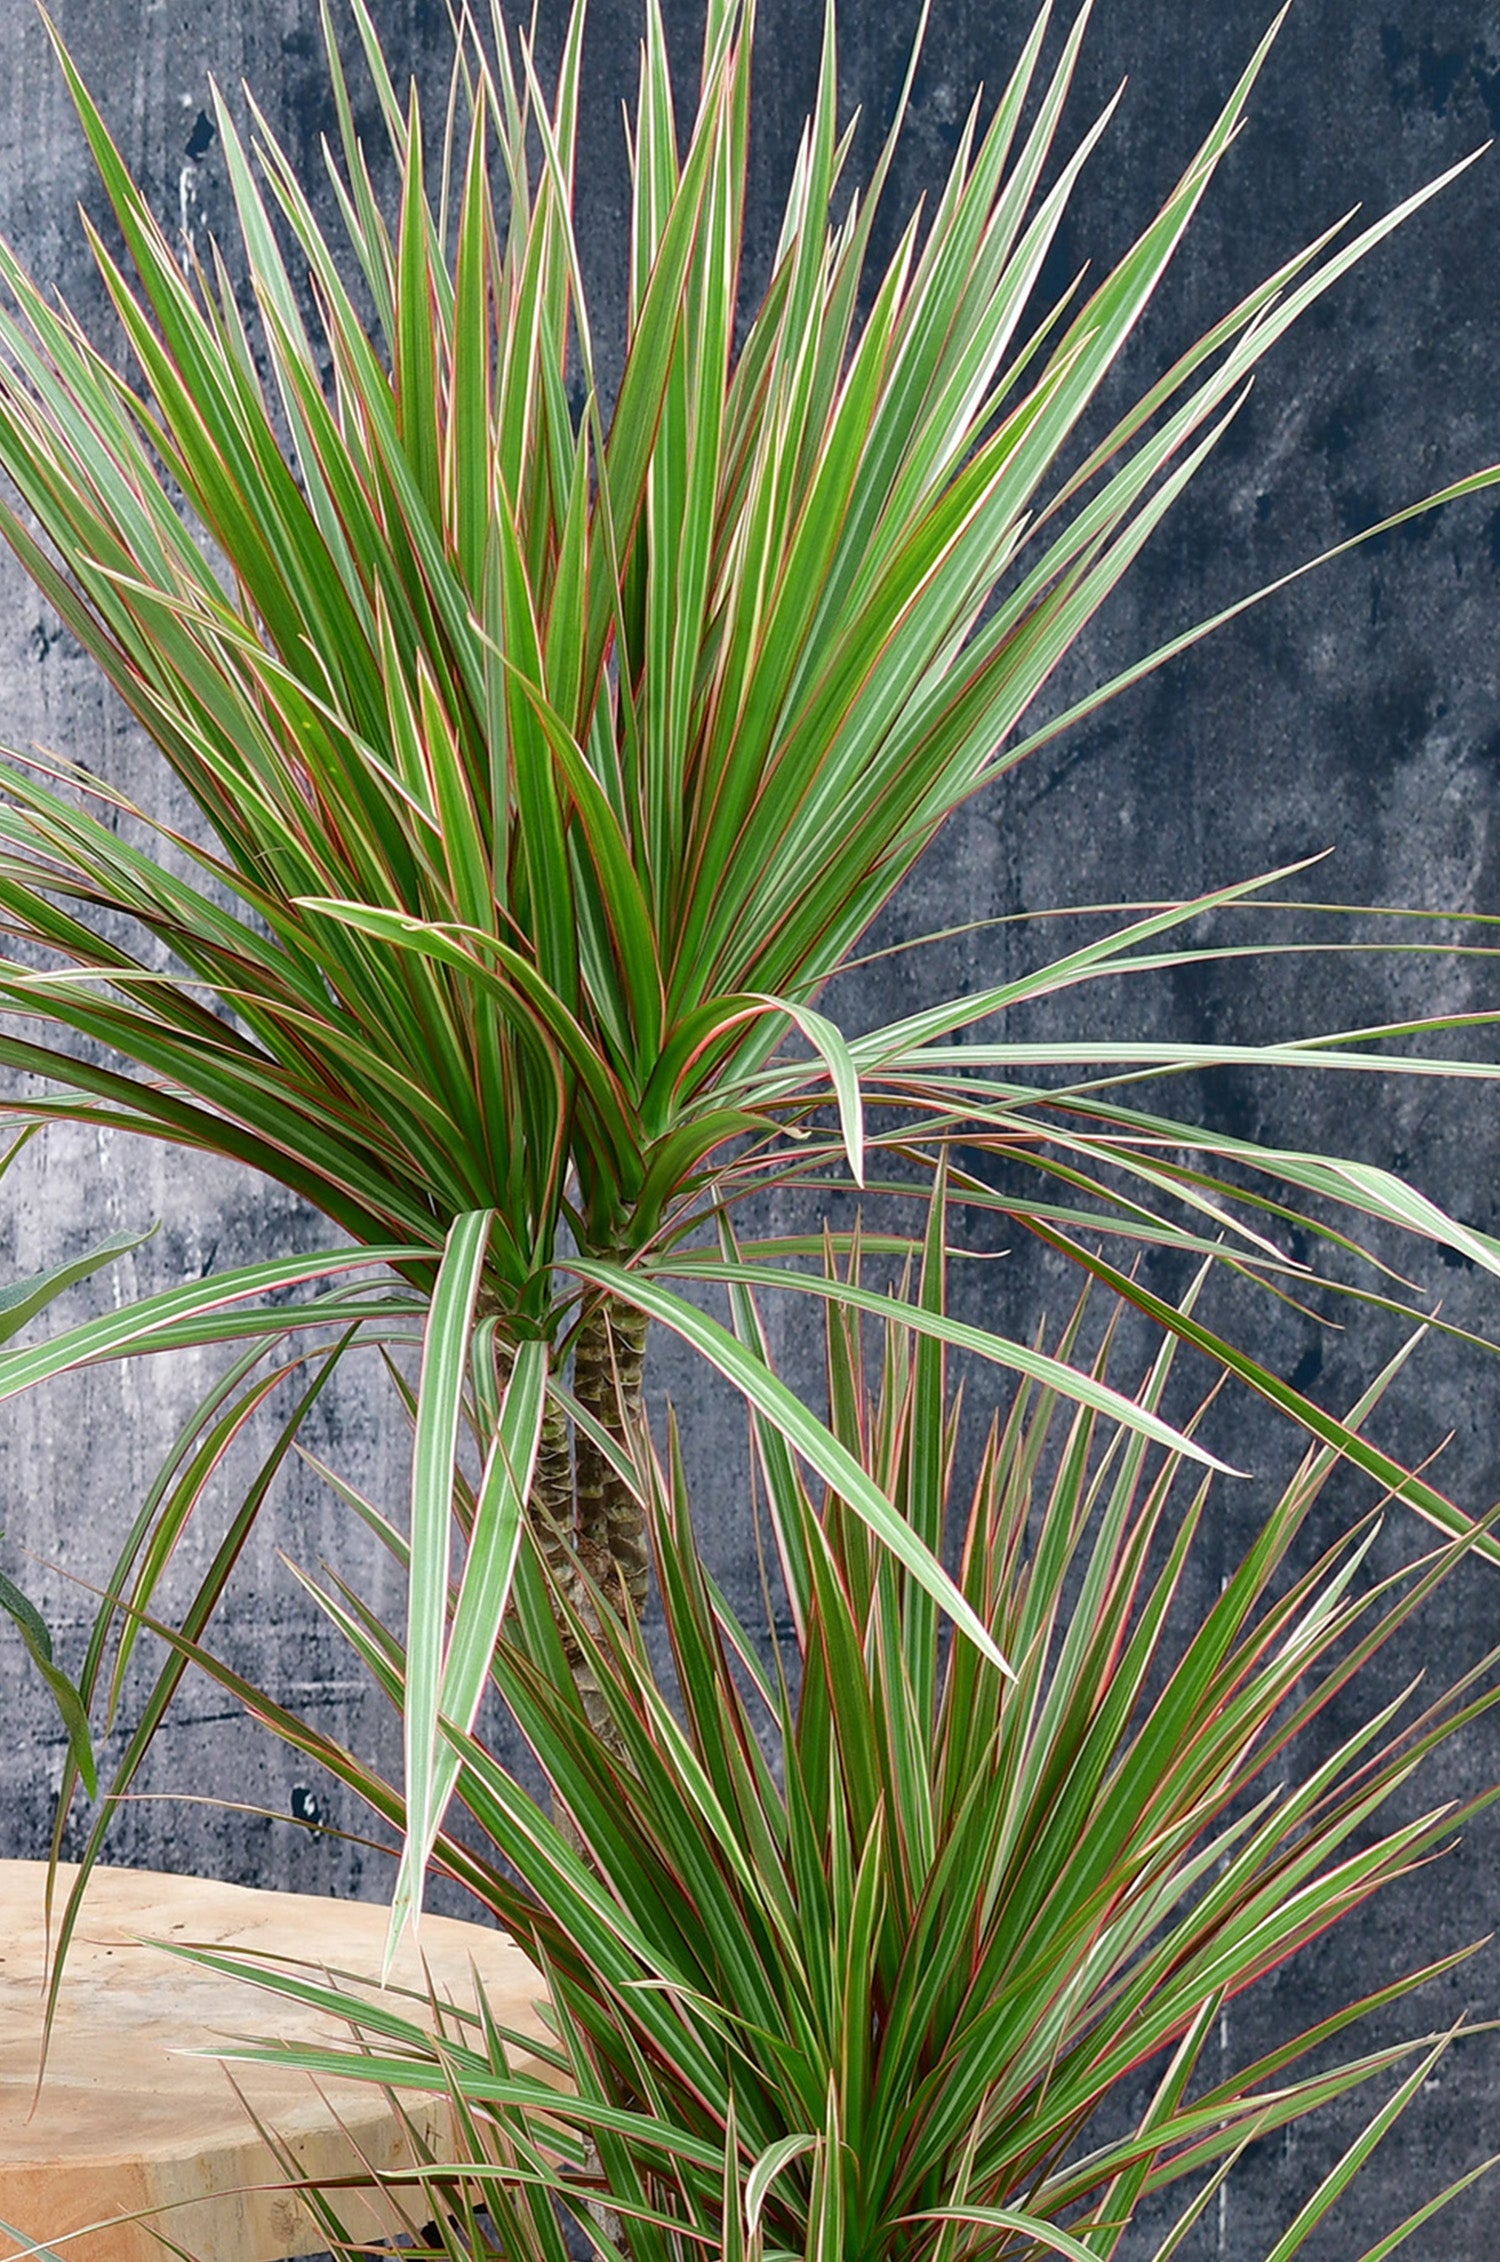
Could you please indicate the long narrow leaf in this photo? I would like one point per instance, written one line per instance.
(445, 1358)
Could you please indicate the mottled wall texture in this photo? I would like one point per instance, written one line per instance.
(1358, 713)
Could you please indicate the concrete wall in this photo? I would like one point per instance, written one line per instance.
(1359, 712)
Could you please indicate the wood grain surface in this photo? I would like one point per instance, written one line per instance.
(130, 2118)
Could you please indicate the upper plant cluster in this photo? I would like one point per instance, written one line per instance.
(550, 769)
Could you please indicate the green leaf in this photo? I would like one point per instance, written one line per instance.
(801, 1429)
(767, 2168)
(1403, 1484)
(1068, 1381)
(1424, 2214)
(494, 1544)
(1342, 2174)
(21, 1300)
(70, 1704)
(1049, 2236)
(30, 2248)
(445, 1358)
(828, 1041)
(192, 1313)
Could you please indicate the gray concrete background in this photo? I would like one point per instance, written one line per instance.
(1359, 712)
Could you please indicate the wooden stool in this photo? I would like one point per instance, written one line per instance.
(123, 2123)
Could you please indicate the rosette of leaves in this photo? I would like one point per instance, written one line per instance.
(858, 1945)
(549, 755)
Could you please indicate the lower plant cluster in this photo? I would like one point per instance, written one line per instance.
(850, 1948)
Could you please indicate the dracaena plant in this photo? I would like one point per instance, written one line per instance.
(549, 755)
(861, 1946)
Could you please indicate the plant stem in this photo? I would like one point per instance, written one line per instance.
(584, 1518)
(550, 1508)
(608, 1370)
(551, 1502)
